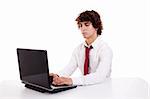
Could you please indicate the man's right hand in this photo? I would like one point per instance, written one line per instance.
(53, 75)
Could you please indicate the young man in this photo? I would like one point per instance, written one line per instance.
(93, 57)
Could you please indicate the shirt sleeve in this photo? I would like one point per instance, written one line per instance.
(71, 67)
(102, 73)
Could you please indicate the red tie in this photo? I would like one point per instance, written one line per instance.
(86, 64)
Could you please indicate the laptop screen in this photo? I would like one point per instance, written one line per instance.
(33, 67)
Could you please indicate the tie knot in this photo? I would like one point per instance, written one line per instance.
(88, 48)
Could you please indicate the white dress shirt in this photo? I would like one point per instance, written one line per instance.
(100, 58)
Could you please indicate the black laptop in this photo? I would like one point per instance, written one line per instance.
(34, 71)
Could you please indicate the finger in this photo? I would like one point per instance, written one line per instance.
(57, 80)
(55, 83)
(55, 75)
(60, 81)
(51, 74)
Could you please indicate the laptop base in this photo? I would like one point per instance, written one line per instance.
(62, 89)
(52, 91)
(35, 88)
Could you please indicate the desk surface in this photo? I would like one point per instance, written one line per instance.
(114, 88)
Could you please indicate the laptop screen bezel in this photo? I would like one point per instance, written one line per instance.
(26, 82)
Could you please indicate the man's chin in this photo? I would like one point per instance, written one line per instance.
(84, 36)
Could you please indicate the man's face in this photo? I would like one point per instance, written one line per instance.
(87, 29)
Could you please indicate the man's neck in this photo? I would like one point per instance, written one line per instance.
(90, 40)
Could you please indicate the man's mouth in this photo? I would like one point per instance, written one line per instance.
(84, 33)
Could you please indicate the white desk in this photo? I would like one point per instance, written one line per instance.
(115, 88)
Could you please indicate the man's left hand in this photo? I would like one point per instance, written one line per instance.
(62, 81)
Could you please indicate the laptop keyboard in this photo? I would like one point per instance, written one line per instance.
(59, 86)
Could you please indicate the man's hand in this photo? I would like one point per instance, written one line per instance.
(62, 81)
(54, 75)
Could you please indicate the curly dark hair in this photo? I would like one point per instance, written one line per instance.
(93, 17)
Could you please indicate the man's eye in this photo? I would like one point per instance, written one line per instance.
(80, 25)
(87, 24)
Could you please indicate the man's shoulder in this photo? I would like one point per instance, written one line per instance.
(79, 47)
(102, 45)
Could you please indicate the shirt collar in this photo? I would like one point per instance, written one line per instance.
(94, 44)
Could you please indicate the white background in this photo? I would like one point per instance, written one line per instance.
(50, 25)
